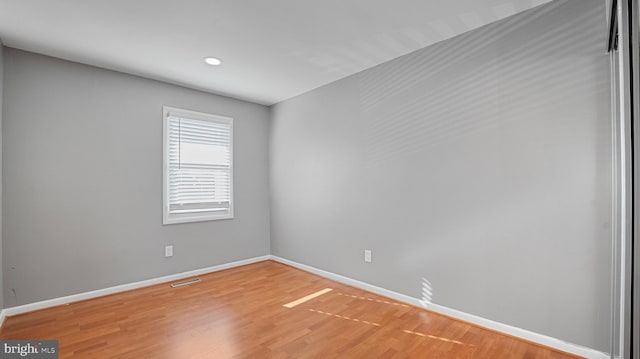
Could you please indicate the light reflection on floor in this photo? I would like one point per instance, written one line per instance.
(426, 299)
(344, 317)
(373, 300)
(434, 337)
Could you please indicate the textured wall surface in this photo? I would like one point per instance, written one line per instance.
(481, 164)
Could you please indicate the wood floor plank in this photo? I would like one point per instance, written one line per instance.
(240, 313)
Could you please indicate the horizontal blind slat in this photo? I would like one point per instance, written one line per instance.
(199, 157)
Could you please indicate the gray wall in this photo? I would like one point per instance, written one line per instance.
(481, 164)
(83, 174)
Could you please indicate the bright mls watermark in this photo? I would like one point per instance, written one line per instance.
(40, 349)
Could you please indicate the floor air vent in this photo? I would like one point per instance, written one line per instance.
(186, 282)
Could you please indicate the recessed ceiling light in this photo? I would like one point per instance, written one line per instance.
(213, 61)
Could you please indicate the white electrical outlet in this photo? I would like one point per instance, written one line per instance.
(367, 255)
(168, 251)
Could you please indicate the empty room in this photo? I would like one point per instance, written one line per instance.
(319, 179)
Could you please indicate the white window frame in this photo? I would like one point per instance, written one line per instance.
(172, 218)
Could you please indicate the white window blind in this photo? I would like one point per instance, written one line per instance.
(198, 166)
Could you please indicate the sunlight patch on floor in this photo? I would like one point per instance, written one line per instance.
(307, 298)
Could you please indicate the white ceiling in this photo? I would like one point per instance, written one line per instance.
(272, 50)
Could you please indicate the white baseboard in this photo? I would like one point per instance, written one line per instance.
(124, 287)
(483, 322)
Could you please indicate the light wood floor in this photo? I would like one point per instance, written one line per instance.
(239, 313)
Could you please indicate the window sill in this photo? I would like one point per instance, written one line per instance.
(188, 218)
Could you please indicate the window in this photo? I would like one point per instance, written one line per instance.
(197, 166)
